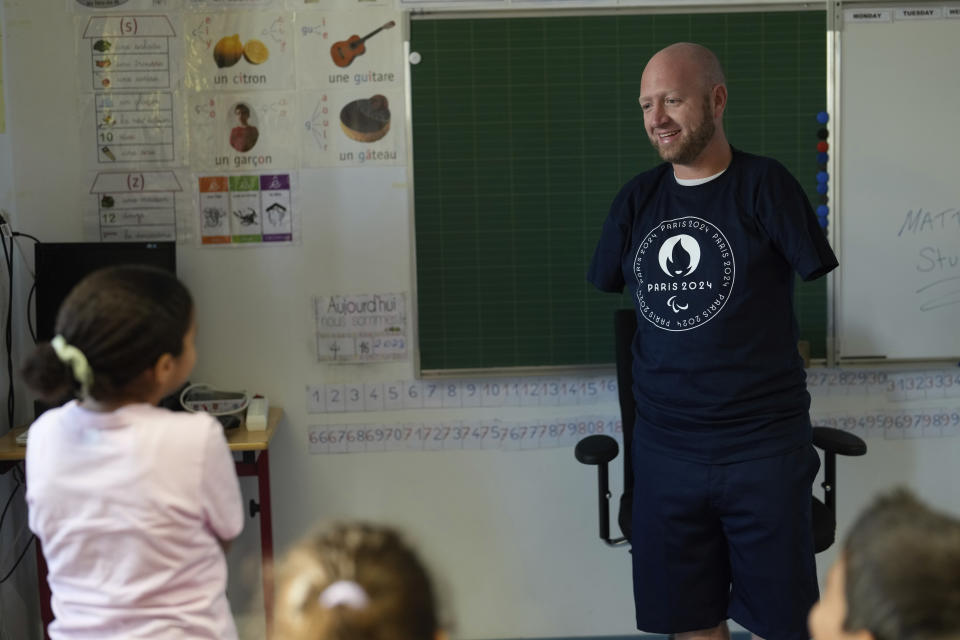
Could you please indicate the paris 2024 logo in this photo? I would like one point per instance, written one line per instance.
(685, 271)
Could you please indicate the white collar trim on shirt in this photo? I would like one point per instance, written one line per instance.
(692, 182)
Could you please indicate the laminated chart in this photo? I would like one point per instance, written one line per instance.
(239, 50)
(246, 209)
(352, 93)
(352, 127)
(460, 435)
(361, 328)
(467, 393)
(136, 206)
(893, 405)
(136, 128)
(102, 6)
(205, 5)
(128, 80)
(130, 52)
(242, 131)
(349, 49)
(339, 5)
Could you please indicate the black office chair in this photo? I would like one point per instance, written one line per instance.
(599, 450)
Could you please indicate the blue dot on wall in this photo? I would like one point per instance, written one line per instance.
(823, 210)
(822, 157)
(822, 187)
(822, 176)
(823, 117)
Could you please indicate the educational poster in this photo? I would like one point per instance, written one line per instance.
(361, 328)
(441, 3)
(246, 209)
(235, 51)
(207, 5)
(352, 127)
(352, 89)
(128, 52)
(468, 393)
(128, 75)
(339, 5)
(894, 405)
(242, 131)
(135, 206)
(457, 435)
(356, 49)
(105, 6)
(133, 127)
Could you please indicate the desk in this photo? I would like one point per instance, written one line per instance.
(254, 461)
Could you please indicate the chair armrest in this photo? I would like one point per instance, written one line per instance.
(837, 441)
(596, 449)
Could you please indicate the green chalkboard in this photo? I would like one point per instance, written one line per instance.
(524, 129)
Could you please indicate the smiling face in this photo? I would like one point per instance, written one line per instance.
(681, 105)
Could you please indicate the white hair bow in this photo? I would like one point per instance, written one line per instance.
(344, 592)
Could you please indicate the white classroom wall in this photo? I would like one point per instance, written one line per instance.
(511, 536)
(18, 602)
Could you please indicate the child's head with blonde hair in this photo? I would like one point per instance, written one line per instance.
(355, 581)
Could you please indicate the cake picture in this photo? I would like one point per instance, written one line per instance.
(366, 119)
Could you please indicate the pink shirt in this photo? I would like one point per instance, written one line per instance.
(129, 507)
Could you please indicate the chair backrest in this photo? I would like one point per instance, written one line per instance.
(625, 329)
(831, 441)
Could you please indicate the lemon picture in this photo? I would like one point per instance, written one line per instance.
(228, 50)
(255, 52)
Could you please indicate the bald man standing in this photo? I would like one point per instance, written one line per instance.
(707, 244)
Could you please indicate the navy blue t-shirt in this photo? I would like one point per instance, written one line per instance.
(717, 374)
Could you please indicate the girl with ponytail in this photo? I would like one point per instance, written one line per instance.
(133, 504)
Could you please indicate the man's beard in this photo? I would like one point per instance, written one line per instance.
(692, 144)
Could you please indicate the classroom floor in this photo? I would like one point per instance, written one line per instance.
(252, 629)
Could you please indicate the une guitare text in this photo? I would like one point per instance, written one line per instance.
(360, 78)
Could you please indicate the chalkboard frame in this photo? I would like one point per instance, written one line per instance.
(426, 307)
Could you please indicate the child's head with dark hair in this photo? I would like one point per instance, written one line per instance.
(897, 577)
(123, 334)
(355, 581)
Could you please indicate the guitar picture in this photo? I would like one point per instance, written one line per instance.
(345, 51)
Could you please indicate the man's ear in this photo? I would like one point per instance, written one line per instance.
(719, 100)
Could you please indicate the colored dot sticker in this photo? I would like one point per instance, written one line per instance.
(822, 146)
(822, 157)
(822, 176)
(823, 210)
(823, 117)
(822, 134)
(822, 187)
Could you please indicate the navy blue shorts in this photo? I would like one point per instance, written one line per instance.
(712, 542)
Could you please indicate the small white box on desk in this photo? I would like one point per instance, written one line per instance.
(257, 414)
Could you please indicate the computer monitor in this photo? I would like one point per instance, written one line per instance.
(61, 265)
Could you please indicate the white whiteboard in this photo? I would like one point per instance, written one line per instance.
(898, 286)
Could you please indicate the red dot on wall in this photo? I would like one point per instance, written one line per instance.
(822, 146)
